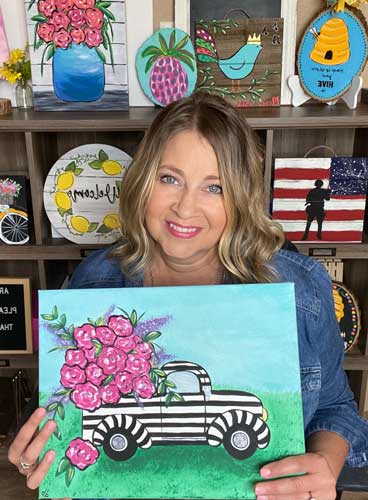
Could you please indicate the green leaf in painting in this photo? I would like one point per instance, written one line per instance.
(103, 229)
(108, 379)
(71, 329)
(102, 156)
(55, 312)
(163, 43)
(168, 399)
(172, 40)
(96, 343)
(178, 396)
(105, 40)
(151, 51)
(62, 392)
(51, 407)
(70, 167)
(50, 52)
(101, 55)
(187, 61)
(151, 61)
(158, 372)
(92, 227)
(96, 164)
(168, 383)
(63, 466)
(181, 43)
(57, 434)
(38, 44)
(65, 336)
(61, 411)
(69, 475)
(47, 317)
(78, 171)
(108, 14)
(133, 317)
(39, 18)
(152, 336)
(62, 319)
(125, 314)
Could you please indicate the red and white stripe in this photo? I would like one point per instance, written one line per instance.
(294, 178)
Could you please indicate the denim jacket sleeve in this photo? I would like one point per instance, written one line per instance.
(337, 410)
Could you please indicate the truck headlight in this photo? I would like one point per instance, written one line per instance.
(264, 415)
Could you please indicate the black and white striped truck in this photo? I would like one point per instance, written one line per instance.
(235, 419)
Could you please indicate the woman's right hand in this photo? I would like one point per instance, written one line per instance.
(28, 446)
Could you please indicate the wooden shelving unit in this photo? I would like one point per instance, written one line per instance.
(30, 143)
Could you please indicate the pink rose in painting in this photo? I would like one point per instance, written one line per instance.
(90, 355)
(121, 326)
(82, 453)
(144, 350)
(105, 335)
(94, 18)
(144, 387)
(111, 360)
(64, 4)
(93, 37)
(76, 17)
(83, 334)
(86, 396)
(75, 357)
(71, 376)
(62, 39)
(84, 4)
(137, 365)
(46, 31)
(126, 344)
(110, 394)
(77, 35)
(95, 374)
(46, 7)
(59, 20)
(124, 381)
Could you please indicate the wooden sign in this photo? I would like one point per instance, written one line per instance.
(241, 60)
(15, 316)
(78, 54)
(81, 193)
(332, 53)
(321, 199)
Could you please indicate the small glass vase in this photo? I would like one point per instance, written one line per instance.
(24, 95)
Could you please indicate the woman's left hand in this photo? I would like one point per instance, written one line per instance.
(318, 481)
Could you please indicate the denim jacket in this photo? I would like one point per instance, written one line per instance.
(328, 402)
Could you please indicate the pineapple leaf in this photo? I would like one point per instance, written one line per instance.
(151, 51)
(181, 43)
(186, 61)
(163, 44)
(172, 40)
(151, 61)
(186, 53)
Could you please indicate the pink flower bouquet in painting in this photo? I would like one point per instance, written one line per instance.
(105, 360)
(73, 34)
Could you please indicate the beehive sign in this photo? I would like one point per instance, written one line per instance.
(15, 316)
(332, 52)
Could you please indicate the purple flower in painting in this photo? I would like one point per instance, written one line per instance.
(151, 325)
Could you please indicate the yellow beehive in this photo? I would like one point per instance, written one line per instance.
(332, 46)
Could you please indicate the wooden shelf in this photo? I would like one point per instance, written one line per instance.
(284, 117)
(356, 362)
(334, 250)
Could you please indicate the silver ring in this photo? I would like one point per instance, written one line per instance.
(24, 464)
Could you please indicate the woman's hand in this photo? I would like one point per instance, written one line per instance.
(318, 482)
(27, 448)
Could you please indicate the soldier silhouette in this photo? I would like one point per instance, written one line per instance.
(315, 203)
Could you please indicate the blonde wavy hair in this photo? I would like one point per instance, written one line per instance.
(250, 238)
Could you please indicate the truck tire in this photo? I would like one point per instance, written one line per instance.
(119, 444)
(240, 441)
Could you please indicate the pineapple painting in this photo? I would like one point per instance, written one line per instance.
(166, 66)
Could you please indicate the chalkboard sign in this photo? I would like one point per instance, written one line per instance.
(15, 316)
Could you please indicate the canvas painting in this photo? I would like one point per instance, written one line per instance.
(172, 392)
(241, 60)
(321, 199)
(78, 54)
(14, 229)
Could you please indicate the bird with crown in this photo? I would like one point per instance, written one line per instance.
(235, 67)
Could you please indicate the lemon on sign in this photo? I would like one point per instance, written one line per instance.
(111, 167)
(65, 180)
(62, 200)
(79, 223)
(111, 221)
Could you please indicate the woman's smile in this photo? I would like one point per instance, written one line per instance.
(180, 231)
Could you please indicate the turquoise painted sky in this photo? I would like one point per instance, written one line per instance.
(243, 335)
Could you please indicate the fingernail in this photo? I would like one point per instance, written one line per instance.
(50, 456)
(262, 498)
(259, 490)
(40, 412)
(266, 472)
(51, 425)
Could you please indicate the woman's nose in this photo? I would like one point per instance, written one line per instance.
(185, 204)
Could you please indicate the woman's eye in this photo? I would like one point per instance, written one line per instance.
(215, 189)
(168, 179)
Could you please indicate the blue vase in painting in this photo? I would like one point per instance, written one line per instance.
(78, 74)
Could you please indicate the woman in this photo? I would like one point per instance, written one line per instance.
(192, 212)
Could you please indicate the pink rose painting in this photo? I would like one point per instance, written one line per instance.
(81, 43)
(105, 362)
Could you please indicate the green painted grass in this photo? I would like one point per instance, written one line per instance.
(178, 471)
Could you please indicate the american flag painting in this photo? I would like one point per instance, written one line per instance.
(320, 199)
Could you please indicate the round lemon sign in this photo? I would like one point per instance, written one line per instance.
(81, 193)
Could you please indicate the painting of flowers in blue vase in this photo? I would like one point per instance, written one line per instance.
(78, 54)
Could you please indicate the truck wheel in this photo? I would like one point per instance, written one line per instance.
(119, 444)
(240, 441)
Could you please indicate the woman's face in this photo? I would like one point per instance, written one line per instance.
(186, 214)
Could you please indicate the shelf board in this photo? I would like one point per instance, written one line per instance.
(284, 117)
(356, 362)
(334, 250)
